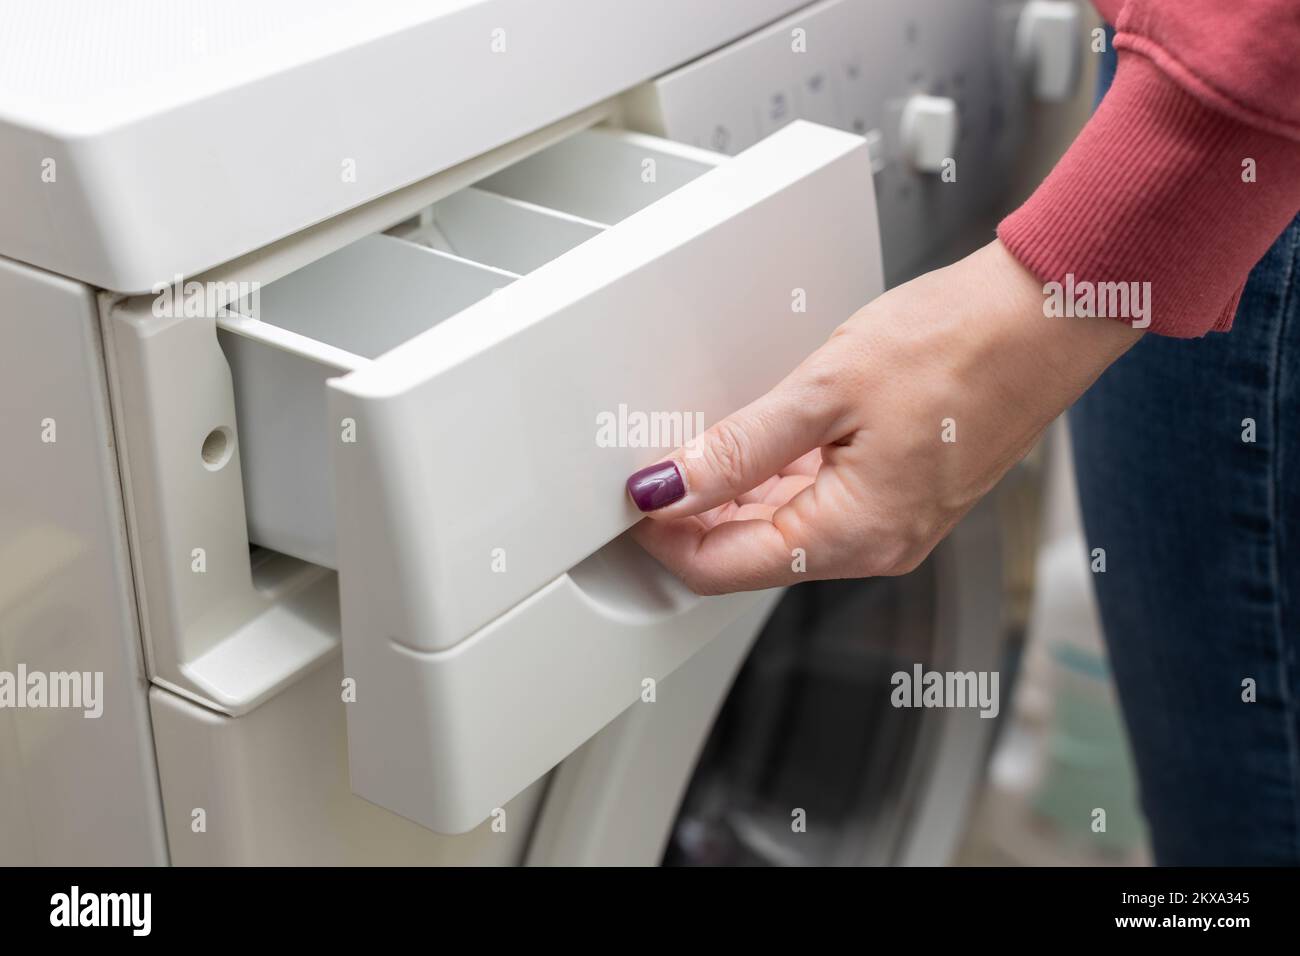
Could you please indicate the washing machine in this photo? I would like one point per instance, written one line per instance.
(311, 313)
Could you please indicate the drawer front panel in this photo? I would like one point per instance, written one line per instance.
(482, 465)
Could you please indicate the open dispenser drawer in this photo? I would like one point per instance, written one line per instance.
(436, 412)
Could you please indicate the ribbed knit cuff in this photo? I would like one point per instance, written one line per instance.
(1157, 190)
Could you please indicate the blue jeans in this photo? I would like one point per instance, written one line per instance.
(1201, 531)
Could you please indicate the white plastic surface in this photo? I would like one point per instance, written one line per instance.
(445, 737)
(484, 647)
(480, 437)
(602, 175)
(74, 790)
(515, 236)
(614, 801)
(852, 64)
(928, 131)
(351, 306)
(146, 139)
(331, 317)
(273, 787)
(1048, 48)
(215, 630)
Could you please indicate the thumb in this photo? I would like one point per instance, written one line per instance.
(738, 453)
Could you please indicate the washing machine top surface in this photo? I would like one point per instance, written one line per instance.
(140, 141)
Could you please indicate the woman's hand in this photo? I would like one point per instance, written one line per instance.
(867, 454)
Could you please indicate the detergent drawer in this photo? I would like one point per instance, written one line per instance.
(435, 413)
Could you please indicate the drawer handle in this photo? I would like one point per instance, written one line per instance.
(623, 582)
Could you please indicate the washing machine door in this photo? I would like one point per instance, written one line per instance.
(812, 760)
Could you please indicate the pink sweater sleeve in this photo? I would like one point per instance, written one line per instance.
(1189, 169)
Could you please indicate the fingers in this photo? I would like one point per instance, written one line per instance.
(796, 527)
(733, 459)
(740, 554)
(739, 546)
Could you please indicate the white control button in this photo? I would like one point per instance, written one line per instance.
(929, 131)
(1048, 48)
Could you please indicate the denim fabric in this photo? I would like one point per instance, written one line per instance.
(1201, 531)
(1106, 68)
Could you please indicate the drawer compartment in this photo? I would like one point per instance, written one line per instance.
(327, 319)
(602, 175)
(510, 234)
(454, 388)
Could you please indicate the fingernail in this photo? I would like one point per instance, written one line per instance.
(657, 486)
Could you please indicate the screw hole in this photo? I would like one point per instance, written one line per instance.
(216, 448)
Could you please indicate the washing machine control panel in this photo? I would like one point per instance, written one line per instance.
(939, 88)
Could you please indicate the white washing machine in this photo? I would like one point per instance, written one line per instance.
(310, 312)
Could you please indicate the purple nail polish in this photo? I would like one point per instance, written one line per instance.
(657, 486)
